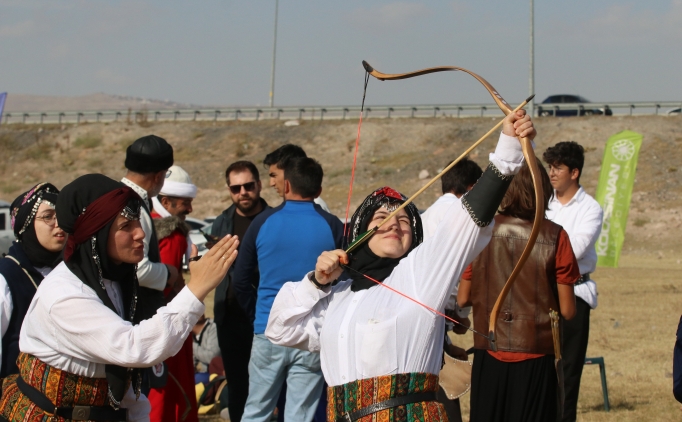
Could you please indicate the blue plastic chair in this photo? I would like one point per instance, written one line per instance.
(602, 370)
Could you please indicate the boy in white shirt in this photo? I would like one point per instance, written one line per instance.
(581, 216)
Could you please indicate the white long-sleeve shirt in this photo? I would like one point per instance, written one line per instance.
(68, 327)
(153, 275)
(431, 218)
(581, 217)
(377, 332)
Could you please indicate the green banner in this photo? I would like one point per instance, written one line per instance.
(614, 192)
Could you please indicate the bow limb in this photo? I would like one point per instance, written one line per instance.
(504, 106)
(529, 156)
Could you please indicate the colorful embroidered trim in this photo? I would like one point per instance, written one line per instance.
(62, 388)
(362, 393)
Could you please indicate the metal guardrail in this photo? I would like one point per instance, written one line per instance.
(319, 113)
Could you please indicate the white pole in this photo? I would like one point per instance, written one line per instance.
(531, 82)
(274, 51)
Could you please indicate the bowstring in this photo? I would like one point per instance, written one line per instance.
(415, 301)
(346, 228)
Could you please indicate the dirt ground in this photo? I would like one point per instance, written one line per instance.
(639, 303)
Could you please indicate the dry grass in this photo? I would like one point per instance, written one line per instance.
(87, 142)
(633, 328)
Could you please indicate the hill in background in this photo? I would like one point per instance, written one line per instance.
(392, 152)
(24, 103)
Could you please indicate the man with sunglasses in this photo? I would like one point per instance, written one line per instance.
(235, 332)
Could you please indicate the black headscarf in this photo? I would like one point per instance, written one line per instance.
(23, 211)
(87, 258)
(363, 260)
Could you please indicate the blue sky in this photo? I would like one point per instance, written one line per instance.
(219, 52)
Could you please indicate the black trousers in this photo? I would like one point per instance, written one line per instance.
(235, 337)
(452, 408)
(573, 349)
(523, 391)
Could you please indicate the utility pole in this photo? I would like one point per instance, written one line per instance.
(531, 82)
(274, 51)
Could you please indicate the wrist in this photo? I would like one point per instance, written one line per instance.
(313, 279)
(198, 290)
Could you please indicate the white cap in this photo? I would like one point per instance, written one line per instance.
(178, 184)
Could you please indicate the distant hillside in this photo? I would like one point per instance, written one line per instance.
(392, 152)
(99, 101)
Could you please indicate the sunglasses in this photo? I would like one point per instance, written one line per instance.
(249, 187)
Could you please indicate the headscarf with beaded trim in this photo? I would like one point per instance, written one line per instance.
(363, 260)
(23, 212)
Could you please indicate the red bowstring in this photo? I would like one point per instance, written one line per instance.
(346, 229)
(352, 178)
(413, 300)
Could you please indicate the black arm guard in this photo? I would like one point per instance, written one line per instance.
(483, 200)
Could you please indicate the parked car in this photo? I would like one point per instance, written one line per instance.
(547, 107)
(195, 223)
(675, 111)
(6, 232)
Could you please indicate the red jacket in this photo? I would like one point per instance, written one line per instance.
(172, 234)
(176, 402)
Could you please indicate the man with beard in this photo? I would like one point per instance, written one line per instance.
(175, 401)
(235, 333)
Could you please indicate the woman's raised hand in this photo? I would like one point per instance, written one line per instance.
(328, 267)
(208, 272)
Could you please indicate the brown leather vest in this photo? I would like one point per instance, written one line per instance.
(523, 323)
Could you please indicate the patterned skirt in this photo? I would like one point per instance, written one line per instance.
(362, 393)
(62, 388)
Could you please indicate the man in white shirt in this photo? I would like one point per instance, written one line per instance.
(581, 216)
(455, 183)
(148, 160)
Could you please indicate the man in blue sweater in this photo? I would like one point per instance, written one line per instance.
(284, 243)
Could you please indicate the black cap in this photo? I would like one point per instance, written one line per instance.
(149, 154)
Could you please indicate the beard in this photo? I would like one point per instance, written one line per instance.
(246, 207)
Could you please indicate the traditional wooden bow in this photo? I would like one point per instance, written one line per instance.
(528, 154)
